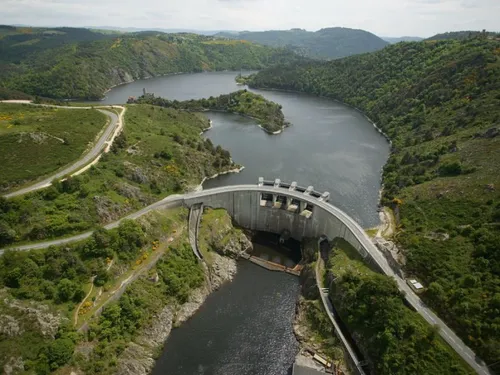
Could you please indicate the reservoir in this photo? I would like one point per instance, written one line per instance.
(330, 146)
(246, 326)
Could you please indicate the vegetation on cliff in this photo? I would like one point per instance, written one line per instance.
(82, 67)
(37, 140)
(160, 152)
(47, 295)
(329, 43)
(43, 290)
(243, 102)
(439, 103)
(393, 338)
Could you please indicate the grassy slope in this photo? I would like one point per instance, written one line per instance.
(163, 154)
(25, 158)
(437, 101)
(88, 69)
(395, 338)
(267, 113)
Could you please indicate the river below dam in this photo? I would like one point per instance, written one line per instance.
(246, 326)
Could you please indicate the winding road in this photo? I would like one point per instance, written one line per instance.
(177, 200)
(103, 144)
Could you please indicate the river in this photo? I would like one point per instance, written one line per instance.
(245, 327)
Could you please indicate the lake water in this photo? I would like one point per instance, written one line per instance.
(329, 145)
(246, 326)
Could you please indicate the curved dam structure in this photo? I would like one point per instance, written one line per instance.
(277, 207)
(273, 206)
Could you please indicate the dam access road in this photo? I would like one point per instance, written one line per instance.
(103, 144)
(326, 220)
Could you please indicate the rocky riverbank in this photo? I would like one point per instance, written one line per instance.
(224, 244)
(312, 327)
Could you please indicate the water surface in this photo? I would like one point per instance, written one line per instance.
(246, 326)
(329, 146)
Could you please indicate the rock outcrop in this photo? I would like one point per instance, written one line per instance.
(225, 245)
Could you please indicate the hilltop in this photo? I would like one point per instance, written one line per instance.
(79, 63)
(466, 34)
(439, 102)
(329, 43)
(393, 40)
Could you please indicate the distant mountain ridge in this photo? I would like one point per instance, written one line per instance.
(79, 63)
(328, 43)
(465, 34)
(393, 40)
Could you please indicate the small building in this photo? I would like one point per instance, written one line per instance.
(415, 285)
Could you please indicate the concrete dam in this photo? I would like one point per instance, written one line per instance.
(277, 207)
(282, 208)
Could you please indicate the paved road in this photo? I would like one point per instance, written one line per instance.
(105, 139)
(448, 335)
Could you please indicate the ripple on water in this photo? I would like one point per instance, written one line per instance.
(245, 328)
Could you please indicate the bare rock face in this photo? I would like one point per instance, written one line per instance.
(220, 235)
(236, 246)
(14, 366)
(309, 288)
(47, 322)
(107, 210)
(129, 191)
(222, 269)
(156, 334)
(120, 76)
(136, 360)
(9, 326)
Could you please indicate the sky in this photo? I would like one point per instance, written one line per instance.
(383, 17)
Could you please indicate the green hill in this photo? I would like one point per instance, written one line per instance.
(246, 103)
(466, 34)
(329, 43)
(86, 69)
(39, 140)
(439, 102)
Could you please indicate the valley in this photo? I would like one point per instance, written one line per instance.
(108, 280)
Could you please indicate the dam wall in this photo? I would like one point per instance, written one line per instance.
(278, 209)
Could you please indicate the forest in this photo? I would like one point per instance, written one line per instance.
(84, 67)
(42, 290)
(243, 102)
(393, 338)
(439, 103)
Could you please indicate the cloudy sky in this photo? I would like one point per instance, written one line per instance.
(382, 17)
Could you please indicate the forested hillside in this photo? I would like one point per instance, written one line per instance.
(466, 34)
(243, 102)
(329, 43)
(439, 102)
(87, 69)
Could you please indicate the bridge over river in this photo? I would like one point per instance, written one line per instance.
(277, 207)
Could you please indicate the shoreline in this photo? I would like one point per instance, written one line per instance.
(286, 125)
(380, 131)
(234, 170)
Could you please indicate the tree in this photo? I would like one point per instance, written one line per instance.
(60, 352)
(66, 290)
(7, 234)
